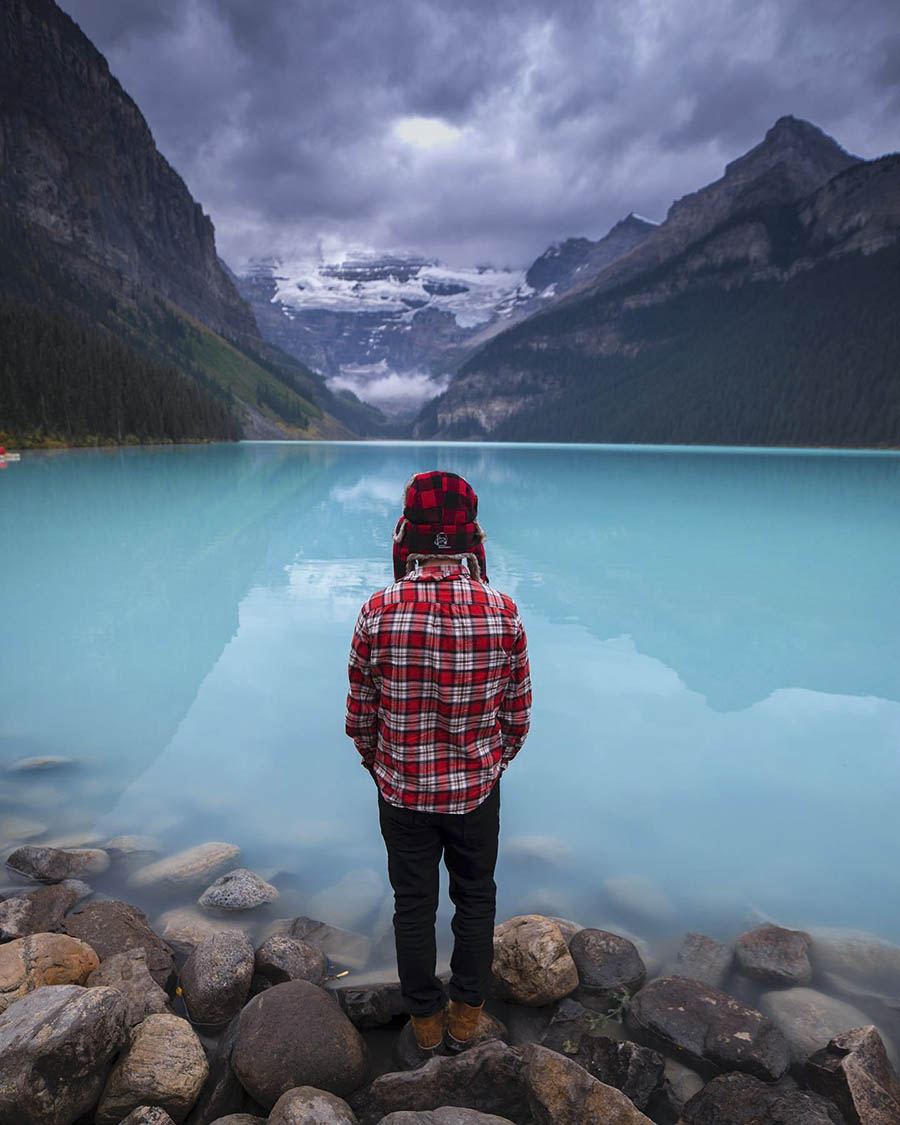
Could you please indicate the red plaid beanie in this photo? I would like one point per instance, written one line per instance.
(439, 518)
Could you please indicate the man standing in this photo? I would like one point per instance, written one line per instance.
(439, 705)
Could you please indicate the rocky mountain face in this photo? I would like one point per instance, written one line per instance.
(99, 230)
(78, 161)
(794, 204)
(393, 328)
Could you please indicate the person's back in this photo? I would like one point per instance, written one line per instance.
(439, 704)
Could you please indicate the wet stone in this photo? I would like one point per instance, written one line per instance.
(609, 966)
(56, 1045)
(345, 948)
(52, 865)
(39, 764)
(164, 1066)
(237, 890)
(809, 1019)
(128, 973)
(348, 902)
(639, 1072)
(445, 1115)
(560, 1092)
(216, 977)
(854, 1072)
(185, 927)
(147, 1115)
(774, 955)
(739, 1099)
(305, 1105)
(115, 927)
(704, 959)
(709, 1028)
(294, 1034)
(38, 911)
(39, 960)
(190, 869)
(281, 958)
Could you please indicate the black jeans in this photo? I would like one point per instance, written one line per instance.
(415, 842)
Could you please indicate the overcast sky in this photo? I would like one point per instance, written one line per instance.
(481, 130)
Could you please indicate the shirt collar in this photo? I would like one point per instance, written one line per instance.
(450, 569)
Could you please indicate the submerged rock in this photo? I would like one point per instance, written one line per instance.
(164, 1066)
(774, 955)
(704, 959)
(281, 958)
(115, 927)
(709, 1027)
(185, 927)
(532, 964)
(216, 978)
(128, 973)
(20, 828)
(859, 958)
(343, 947)
(853, 1071)
(739, 1099)
(190, 869)
(238, 890)
(608, 965)
(37, 911)
(52, 865)
(809, 1019)
(33, 962)
(294, 1034)
(638, 896)
(348, 902)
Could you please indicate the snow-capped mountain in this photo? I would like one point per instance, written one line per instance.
(393, 328)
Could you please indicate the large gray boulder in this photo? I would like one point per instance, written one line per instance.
(854, 1072)
(295, 1034)
(56, 1046)
(36, 912)
(708, 1028)
(128, 973)
(532, 964)
(52, 865)
(216, 978)
(740, 1099)
(115, 927)
(774, 955)
(40, 960)
(164, 1066)
(609, 966)
(305, 1105)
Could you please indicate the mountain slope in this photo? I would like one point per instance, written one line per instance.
(98, 228)
(675, 341)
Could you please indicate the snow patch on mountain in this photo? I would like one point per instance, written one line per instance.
(362, 282)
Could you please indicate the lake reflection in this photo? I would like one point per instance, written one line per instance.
(713, 643)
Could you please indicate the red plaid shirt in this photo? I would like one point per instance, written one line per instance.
(440, 692)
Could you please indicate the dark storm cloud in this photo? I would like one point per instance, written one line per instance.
(481, 130)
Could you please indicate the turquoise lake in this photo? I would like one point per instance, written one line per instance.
(714, 648)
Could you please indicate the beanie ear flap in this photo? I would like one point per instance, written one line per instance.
(400, 529)
(479, 532)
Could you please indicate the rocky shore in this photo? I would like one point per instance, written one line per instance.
(205, 1017)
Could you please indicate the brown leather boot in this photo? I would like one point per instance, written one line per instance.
(428, 1031)
(462, 1023)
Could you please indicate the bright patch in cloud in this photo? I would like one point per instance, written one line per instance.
(425, 132)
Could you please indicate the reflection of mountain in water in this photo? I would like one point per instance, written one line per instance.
(792, 587)
(123, 574)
